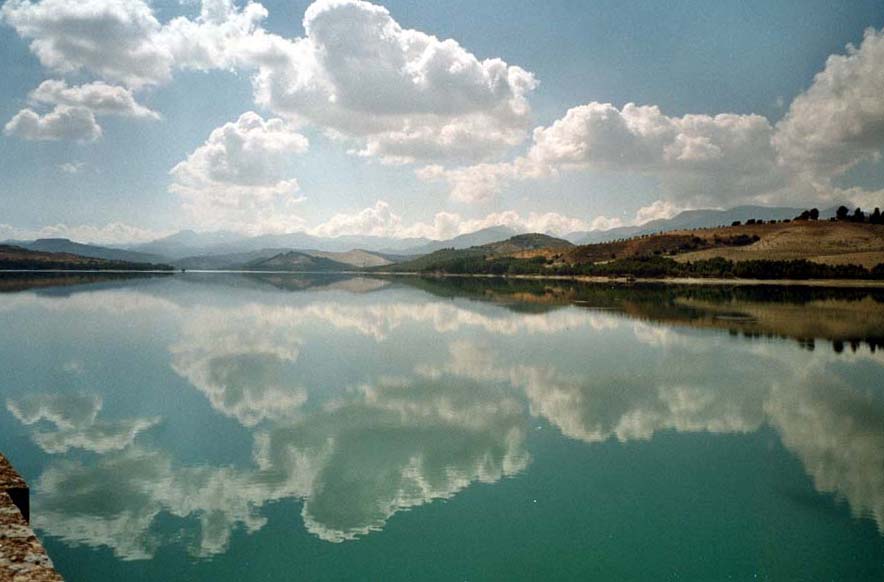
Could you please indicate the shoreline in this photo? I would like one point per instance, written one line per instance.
(845, 283)
(838, 283)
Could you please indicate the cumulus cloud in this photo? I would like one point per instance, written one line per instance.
(98, 97)
(839, 121)
(472, 184)
(400, 94)
(63, 122)
(239, 178)
(382, 220)
(114, 39)
(698, 159)
(605, 223)
(405, 94)
(122, 40)
(657, 210)
(111, 233)
(715, 160)
(73, 112)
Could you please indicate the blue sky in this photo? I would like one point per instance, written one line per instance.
(601, 165)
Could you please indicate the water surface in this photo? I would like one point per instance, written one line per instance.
(275, 427)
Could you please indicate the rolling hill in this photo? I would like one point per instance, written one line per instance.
(296, 261)
(692, 219)
(799, 249)
(18, 258)
(64, 245)
(450, 259)
(239, 261)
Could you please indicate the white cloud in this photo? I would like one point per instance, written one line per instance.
(71, 167)
(381, 220)
(405, 95)
(122, 40)
(656, 211)
(377, 220)
(471, 184)
(839, 121)
(698, 159)
(98, 97)
(239, 178)
(111, 233)
(63, 122)
(114, 39)
(73, 114)
(400, 94)
(605, 223)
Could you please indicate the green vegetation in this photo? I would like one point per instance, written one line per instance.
(648, 267)
(14, 258)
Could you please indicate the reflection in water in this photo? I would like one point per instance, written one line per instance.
(433, 392)
(75, 423)
(355, 463)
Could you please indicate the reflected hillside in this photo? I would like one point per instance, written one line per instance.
(11, 282)
(848, 318)
(358, 399)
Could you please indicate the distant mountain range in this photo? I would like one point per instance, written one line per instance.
(189, 243)
(63, 245)
(689, 219)
(13, 257)
(451, 259)
(295, 261)
(249, 260)
(228, 250)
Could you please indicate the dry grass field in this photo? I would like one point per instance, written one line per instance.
(820, 241)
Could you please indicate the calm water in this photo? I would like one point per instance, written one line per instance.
(224, 427)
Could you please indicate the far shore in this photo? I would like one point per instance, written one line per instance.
(844, 283)
(851, 283)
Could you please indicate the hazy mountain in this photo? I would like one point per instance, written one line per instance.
(464, 241)
(235, 261)
(16, 257)
(229, 261)
(189, 244)
(301, 240)
(443, 259)
(63, 245)
(689, 219)
(355, 258)
(295, 261)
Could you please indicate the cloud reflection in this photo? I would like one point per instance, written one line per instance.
(446, 391)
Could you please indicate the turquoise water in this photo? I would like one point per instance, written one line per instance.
(226, 427)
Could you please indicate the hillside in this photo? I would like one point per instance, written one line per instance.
(63, 245)
(821, 241)
(831, 243)
(296, 261)
(355, 258)
(464, 241)
(236, 261)
(229, 261)
(450, 260)
(781, 250)
(692, 220)
(18, 258)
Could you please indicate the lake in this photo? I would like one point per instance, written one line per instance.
(282, 427)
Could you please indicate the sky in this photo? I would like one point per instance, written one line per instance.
(125, 120)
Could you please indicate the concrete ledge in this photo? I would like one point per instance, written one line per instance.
(22, 556)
